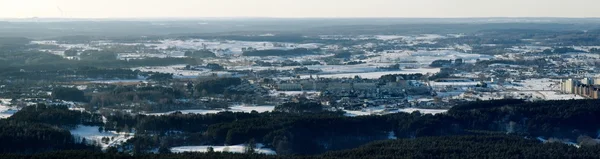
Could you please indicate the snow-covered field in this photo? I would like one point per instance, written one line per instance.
(234, 149)
(238, 108)
(536, 85)
(425, 57)
(382, 111)
(553, 95)
(541, 89)
(91, 133)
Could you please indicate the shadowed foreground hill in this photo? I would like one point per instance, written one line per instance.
(459, 147)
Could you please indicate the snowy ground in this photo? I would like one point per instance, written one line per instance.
(238, 108)
(235, 149)
(527, 95)
(542, 89)
(91, 133)
(535, 85)
(553, 95)
(6, 111)
(382, 111)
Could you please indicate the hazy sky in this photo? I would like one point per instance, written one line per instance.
(297, 8)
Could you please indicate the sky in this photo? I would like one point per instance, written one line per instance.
(296, 8)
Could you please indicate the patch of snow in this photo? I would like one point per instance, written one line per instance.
(564, 142)
(392, 135)
(6, 111)
(389, 37)
(91, 133)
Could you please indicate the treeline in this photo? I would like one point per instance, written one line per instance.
(460, 147)
(302, 133)
(321, 132)
(145, 96)
(148, 124)
(11, 44)
(300, 107)
(177, 97)
(562, 119)
(68, 94)
(59, 73)
(56, 115)
(451, 147)
(30, 137)
(291, 134)
(394, 77)
(200, 54)
(284, 132)
(547, 37)
(59, 69)
(216, 86)
(562, 50)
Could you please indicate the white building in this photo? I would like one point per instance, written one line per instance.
(567, 86)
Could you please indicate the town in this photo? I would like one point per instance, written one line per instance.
(278, 92)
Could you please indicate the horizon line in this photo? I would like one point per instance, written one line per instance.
(266, 17)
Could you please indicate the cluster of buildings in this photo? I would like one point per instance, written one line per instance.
(586, 87)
